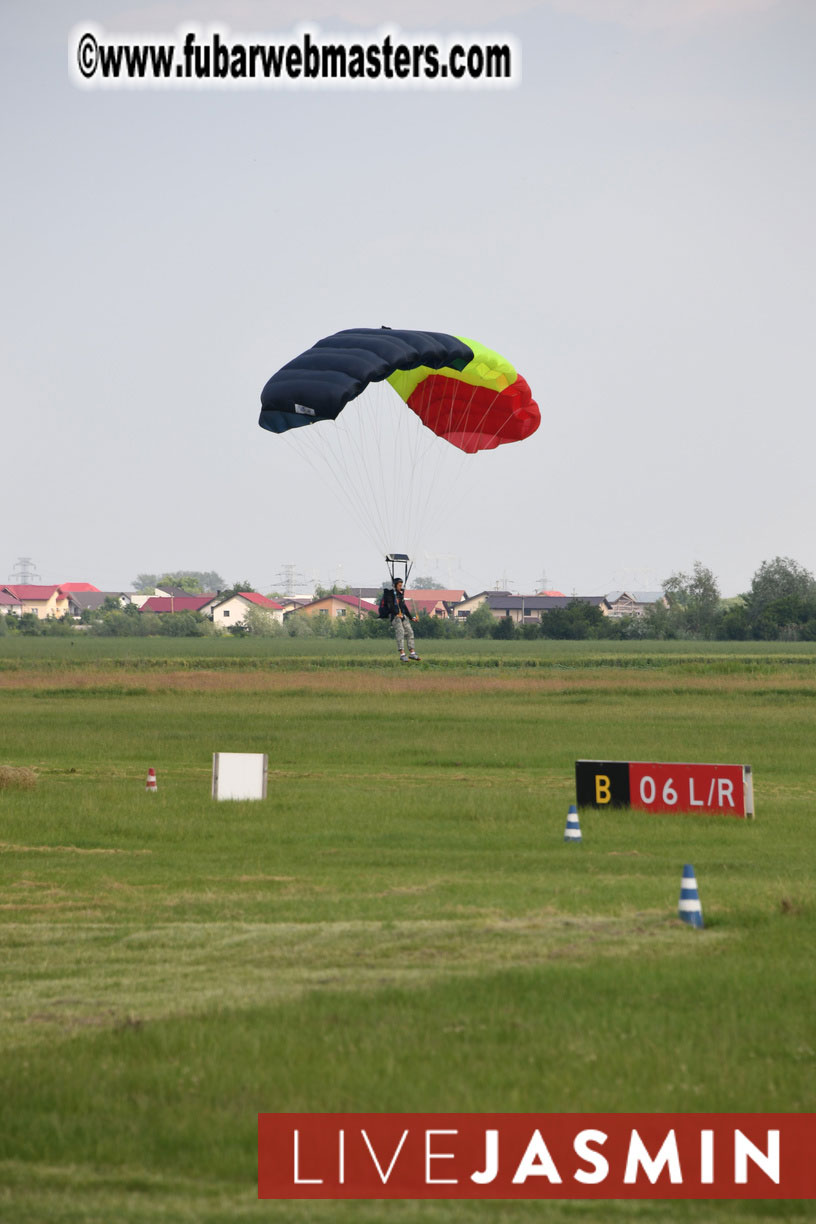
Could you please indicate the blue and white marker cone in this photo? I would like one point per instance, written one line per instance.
(572, 833)
(689, 909)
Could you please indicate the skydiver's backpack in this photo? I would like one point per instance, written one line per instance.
(385, 608)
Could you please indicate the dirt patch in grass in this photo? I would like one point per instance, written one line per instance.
(14, 777)
(264, 879)
(11, 848)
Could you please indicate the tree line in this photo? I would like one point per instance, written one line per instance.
(780, 605)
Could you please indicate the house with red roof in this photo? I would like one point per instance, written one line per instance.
(9, 603)
(43, 601)
(451, 597)
(337, 605)
(434, 602)
(431, 607)
(226, 613)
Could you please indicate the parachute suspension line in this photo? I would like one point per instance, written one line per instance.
(445, 466)
(379, 422)
(351, 471)
(396, 479)
(449, 464)
(376, 465)
(401, 446)
(307, 447)
(364, 428)
(440, 466)
(369, 456)
(453, 487)
(414, 443)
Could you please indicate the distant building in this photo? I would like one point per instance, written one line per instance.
(226, 613)
(294, 603)
(166, 605)
(470, 603)
(525, 608)
(42, 601)
(431, 607)
(337, 605)
(140, 598)
(174, 591)
(633, 603)
(436, 602)
(80, 601)
(9, 603)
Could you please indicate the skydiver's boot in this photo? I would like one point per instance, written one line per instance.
(403, 657)
(413, 655)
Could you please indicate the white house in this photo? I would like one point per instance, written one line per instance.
(232, 610)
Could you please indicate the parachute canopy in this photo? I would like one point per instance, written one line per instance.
(462, 391)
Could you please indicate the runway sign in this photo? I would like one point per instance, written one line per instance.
(724, 790)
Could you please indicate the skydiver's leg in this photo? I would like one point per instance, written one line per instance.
(409, 634)
(399, 633)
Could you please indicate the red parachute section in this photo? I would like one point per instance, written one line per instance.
(475, 418)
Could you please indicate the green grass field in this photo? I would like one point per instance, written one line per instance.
(399, 925)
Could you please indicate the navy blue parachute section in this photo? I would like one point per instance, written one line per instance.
(318, 384)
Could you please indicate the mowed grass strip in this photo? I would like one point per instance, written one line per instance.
(105, 977)
(398, 926)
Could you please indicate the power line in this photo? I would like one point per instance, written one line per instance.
(24, 573)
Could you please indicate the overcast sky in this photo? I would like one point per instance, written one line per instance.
(632, 226)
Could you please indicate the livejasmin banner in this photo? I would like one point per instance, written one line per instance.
(536, 1156)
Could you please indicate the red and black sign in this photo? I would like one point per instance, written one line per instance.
(665, 787)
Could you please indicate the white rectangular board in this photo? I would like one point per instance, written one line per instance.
(239, 775)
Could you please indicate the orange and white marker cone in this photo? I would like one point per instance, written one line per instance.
(151, 784)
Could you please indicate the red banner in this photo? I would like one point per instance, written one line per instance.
(536, 1156)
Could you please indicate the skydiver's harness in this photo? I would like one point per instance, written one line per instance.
(391, 605)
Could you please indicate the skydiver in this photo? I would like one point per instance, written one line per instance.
(401, 620)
